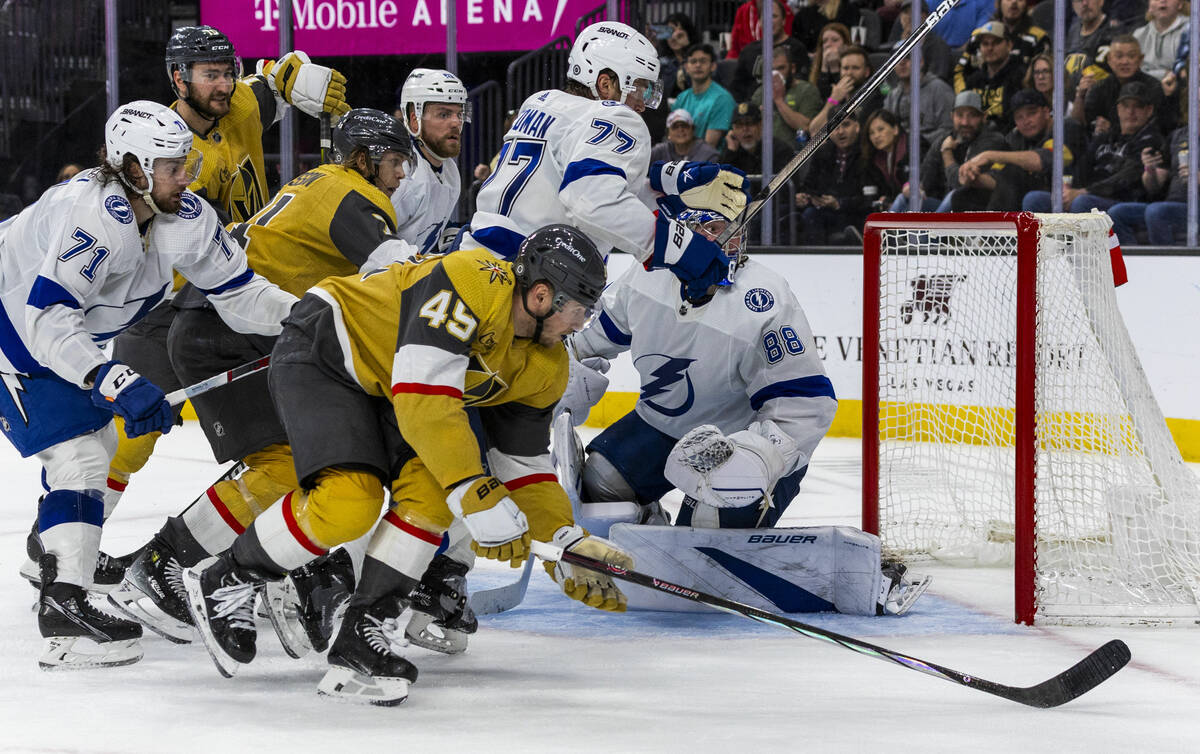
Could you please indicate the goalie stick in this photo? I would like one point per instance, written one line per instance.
(176, 397)
(818, 139)
(1077, 680)
(326, 137)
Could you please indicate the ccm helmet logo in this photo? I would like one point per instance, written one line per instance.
(782, 539)
(612, 31)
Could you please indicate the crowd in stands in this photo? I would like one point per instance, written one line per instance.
(985, 125)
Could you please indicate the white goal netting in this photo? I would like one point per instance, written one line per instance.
(1116, 511)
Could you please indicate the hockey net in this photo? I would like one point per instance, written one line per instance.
(1007, 419)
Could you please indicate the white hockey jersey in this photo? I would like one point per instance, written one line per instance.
(425, 201)
(568, 159)
(75, 271)
(744, 356)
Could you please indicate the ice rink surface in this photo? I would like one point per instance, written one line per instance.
(553, 676)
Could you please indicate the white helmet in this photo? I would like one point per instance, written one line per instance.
(620, 48)
(148, 131)
(432, 85)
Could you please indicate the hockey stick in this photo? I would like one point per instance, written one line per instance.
(501, 598)
(814, 143)
(326, 137)
(1084, 676)
(177, 397)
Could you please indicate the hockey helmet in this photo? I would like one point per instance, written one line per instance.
(710, 225)
(149, 131)
(566, 259)
(199, 44)
(373, 129)
(425, 85)
(610, 45)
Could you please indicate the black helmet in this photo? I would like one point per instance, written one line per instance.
(566, 259)
(199, 44)
(373, 129)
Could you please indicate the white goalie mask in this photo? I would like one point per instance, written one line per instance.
(426, 85)
(614, 46)
(149, 131)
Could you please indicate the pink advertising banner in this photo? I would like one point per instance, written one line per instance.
(394, 27)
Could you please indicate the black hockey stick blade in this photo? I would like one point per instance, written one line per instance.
(822, 135)
(1090, 672)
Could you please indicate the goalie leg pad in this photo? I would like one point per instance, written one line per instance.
(757, 515)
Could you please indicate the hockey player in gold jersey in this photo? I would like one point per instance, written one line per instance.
(379, 380)
(324, 222)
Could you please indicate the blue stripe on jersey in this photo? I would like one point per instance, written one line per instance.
(47, 293)
(15, 349)
(499, 240)
(229, 285)
(149, 303)
(584, 168)
(612, 332)
(68, 507)
(816, 386)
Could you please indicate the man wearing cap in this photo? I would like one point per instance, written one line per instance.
(1164, 220)
(969, 136)
(998, 179)
(1027, 38)
(743, 143)
(1113, 170)
(681, 143)
(1100, 97)
(999, 76)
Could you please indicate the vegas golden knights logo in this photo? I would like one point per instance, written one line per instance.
(245, 196)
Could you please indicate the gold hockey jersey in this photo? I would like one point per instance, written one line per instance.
(324, 222)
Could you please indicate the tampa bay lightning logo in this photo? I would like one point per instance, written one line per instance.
(189, 206)
(118, 207)
(759, 300)
(664, 372)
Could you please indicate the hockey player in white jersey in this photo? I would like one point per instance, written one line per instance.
(434, 108)
(87, 260)
(733, 402)
(582, 156)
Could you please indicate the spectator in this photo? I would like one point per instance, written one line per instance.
(826, 63)
(1159, 38)
(67, 172)
(937, 99)
(1027, 40)
(1100, 96)
(855, 67)
(709, 103)
(1113, 170)
(681, 143)
(796, 101)
(747, 26)
(999, 78)
(885, 147)
(812, 19)
(1090, 31)
(999, 179)
(683, 36)
(743, 143)
(1124, 15)
(1163, 221)
(831, 197)
(1040, 75)
(748, 74)
(935, 53)
(949, 150)
(956, 26)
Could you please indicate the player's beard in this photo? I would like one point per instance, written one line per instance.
(212, 108)
(445, 148)
(168, 203)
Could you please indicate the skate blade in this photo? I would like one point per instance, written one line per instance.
(226, 665)
(917, 586)
(422, 632)
(133, 603)
(81, 652)
(279, 597)
(31, 573)
(344, 685)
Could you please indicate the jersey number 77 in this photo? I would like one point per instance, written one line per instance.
(518, 161)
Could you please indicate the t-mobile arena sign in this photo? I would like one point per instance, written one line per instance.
(393, 27)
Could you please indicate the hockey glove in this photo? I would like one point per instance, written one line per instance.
(586, 384)
(312, 88)
(725, 472)
(694, 259)
(136, 399)
(703, 185)
(593, 589)
(496, 523)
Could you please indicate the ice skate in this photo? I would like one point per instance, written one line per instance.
(365, 667)
(221, 601)
(442, 619)
(152, 593)
(305, 606)
(109, 570)
(77, 635)
(900, 589)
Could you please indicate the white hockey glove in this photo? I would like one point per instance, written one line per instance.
(585, 387)
(703, 185)
(724, 472)
(593, 589)
(447, 238)
(496, 523)
(312, 88)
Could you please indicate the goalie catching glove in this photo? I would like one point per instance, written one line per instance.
(496, 523)
(586, 384)
(593, 589)
(728, 472)
(312, 88)
(703, 185)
